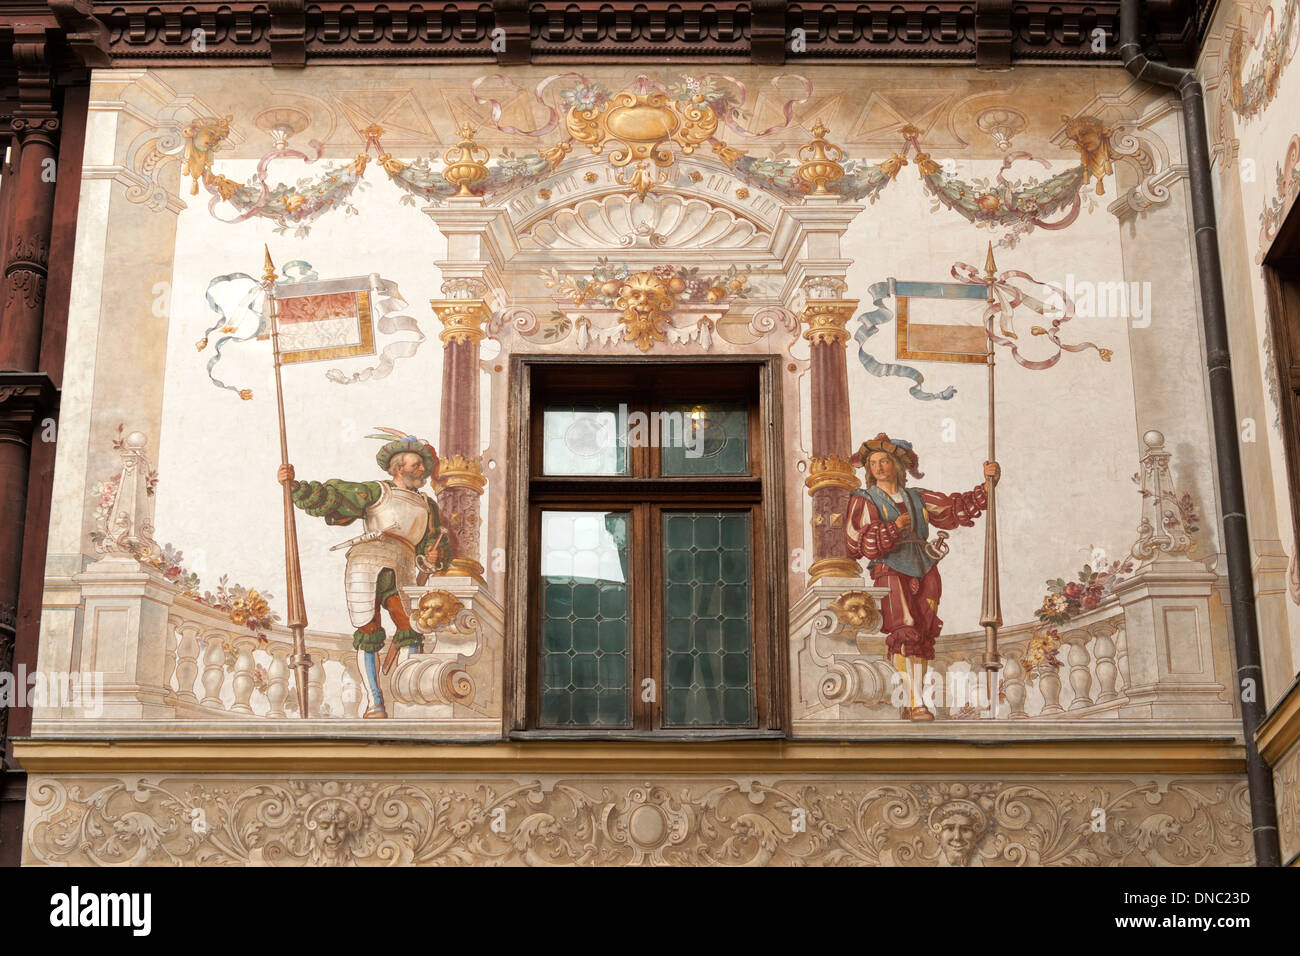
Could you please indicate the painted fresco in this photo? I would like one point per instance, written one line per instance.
(297, 297)
(1247, 66)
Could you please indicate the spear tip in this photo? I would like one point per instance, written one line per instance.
(990, 267)
(268, 272)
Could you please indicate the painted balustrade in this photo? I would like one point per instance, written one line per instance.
(219, 669)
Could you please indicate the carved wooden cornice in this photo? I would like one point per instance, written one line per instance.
(296, 32)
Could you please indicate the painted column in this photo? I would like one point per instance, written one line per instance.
(461, 468)
(479, 242)
(830, 476)
(819, 280)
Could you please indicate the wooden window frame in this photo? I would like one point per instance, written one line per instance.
(531, 379)
(1281, 266)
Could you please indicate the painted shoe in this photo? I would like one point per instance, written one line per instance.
(375, 713)
(921, 713)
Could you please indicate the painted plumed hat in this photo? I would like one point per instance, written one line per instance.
(902, 450)
(398, 442)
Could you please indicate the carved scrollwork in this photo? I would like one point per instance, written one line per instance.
(716, 821)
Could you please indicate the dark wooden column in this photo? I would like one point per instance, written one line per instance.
(26, 394)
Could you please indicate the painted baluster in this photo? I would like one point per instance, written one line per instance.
(1121, 660)
(277, 680)
(315, 684)
(187, 662)
(214, 672)
(1103, 649)
(170, 654)
(1013, 686)
(1049, 685)
(1080, 675)
(243, 682)
(350, 693)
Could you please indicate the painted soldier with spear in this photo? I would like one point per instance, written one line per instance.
(889, 524)
(402, 544)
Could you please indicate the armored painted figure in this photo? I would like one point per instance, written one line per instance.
(889, 524)
(403, 542)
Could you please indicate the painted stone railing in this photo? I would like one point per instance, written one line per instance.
(215, 669)
(164, 654)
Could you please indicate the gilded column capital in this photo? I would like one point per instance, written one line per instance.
(458, 471)
(827, 320)
(830, 471)
(463, 320)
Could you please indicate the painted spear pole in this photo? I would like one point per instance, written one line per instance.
(300, 662)
(991, 606)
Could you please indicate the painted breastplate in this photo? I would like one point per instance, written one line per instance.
(400, 513)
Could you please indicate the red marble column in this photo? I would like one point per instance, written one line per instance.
(830, 476)
(461, 469)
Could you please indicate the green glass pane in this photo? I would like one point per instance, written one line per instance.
(708, 635)
(708, 565)
(708, 627)
(708, 439)
(586, 600)
(735, 533)
(584, 635)
(677, 635)
(734, 567)
(585, 711)
(585, 658)
(583, 440)
(613, 636)
(735, 706)
(556, 708)
(679, 532)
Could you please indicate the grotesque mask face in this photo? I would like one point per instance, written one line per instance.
(958, 832)
(855, 609)
(332, 824)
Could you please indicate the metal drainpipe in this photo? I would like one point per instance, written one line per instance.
(1245, 629)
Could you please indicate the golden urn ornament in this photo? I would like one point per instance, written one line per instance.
(466, 162)
(821, 161)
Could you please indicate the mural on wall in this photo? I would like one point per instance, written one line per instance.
(638, 214)
(1258, 52)
(638, 129)
(1286, 189)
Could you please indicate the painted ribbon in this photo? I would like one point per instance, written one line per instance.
(552, 115)
(386, 300)
(1006, 298)
(787, 109)
(869, 324)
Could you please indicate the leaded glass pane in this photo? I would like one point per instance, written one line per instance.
(704, 440)
(582, 440)
(708, 628)
(586, 660)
